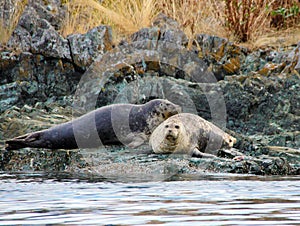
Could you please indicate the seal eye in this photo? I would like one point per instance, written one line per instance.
(230, 140)
(177, 127)
(166, 126)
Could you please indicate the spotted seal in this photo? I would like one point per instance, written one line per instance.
(127, 124)
(190, 134)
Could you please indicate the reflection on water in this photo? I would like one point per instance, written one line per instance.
(183, 200)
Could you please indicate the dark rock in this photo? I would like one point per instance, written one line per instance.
(224, 57)
(294, 57)
(42, 160)
(87, 47)
(164, 30)
(17, 121)
(41, 61)
(38, 78)
(10, 94)
(264, 105)
(38, 36)
(130, 63)
(46, 41)
(51, 10)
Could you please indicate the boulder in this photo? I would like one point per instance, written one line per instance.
(86, 48)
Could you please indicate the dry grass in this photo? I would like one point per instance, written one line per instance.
(7, 26)
(125, 16)
(194, 16)
(238, 20)
(275, 38)
(5, 33)
(128, 16)
(242, 21)
(80, 18)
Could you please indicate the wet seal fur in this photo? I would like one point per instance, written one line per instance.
(189, 134)
(127, 124)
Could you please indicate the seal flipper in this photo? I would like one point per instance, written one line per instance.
(136, 139)
(198, 154)
(27, 140)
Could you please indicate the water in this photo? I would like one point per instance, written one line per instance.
(217, 199)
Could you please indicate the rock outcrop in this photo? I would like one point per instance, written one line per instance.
(47, 79)
(39, 64)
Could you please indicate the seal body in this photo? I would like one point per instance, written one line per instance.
(190, 134)
(127, 124)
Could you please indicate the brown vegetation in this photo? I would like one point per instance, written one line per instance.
(238, 20)
(7, 25)
(125, 16)
(246, 17)
(285, 14)
(195, 16)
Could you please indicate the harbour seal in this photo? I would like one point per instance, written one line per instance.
(189, 134)
(127, 124)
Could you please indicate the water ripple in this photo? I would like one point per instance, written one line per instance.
(214, 200)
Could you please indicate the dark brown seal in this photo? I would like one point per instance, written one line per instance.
(126, 124)
(190, 134)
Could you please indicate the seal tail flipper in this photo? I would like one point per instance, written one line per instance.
(27, 140)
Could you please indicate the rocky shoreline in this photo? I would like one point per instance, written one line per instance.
(47, 79)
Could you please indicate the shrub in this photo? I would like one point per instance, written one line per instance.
(246, 17)
(285, 14)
